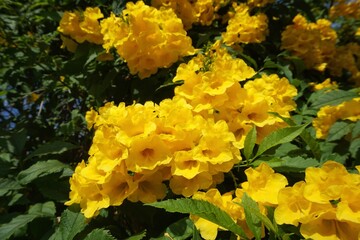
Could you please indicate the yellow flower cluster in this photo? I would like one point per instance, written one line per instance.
(326, 84)
(146, 38)
(244, 28)
(81, 26)
(328, 115)
(263, 186)
(344, 8)
(312, 42)
(192, 12)
(259, 3)
(211, 86)
(326, 204)
(347, 58)
(136, 148)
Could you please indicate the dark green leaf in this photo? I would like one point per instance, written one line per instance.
(338, 130)
(202, 209)
(356, 130)
(280, 136)
(56, 147)
(8, 229)
(289, 164)
(38, 210)
(43, 209)
(101, 234)
(354, 147)
(252, 219)
(41, 169)
(332, 98)
(7, 185)
(249, 144)
(71, 223)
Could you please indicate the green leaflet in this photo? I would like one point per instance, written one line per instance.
(202, 209)
(338, 130)
(289, 164)
(71, 223)
(40, 169)
(38, 210)
(55, 147)
(253, 221)
(322, 98)
(280, 136)
(249, 143)
(102, 234)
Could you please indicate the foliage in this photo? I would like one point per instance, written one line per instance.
(272, 96)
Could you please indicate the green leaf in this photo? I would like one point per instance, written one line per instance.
(41, 169)
(331, 98)
(249, 143)
(306, 137)
(18, 140)
(7, 185)
(356, 130)
(47, 209)
(252, 220)
(354, 147)
(71, 223)
(202, 209)
(251, 208)
(280, 136)
(289, 164)
(56, 147)
(38, 210)
(180, 230)
(8, 229)
(101, 234)
(338, 130)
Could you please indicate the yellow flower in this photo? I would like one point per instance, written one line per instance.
(326, 84)
(326, 183)
(149, 188)
(312, 42)
(259, 3)
(343, 8)
(263, 184)
(81, 27)
(346, 58)
(146, 153)
(243, 28)
(328, 115)
(326, 204)
(187, 187)
(146, 38)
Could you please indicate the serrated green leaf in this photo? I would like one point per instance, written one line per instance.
(7, 185)
(180, 230)
(332, 98)
(56, 147)
(354, 147)
(202, 209)
(47, 209)
(356, 130)
(8, 229)
(280, 136)
(306, 137)
(289, 164)
(41, 169)
(338, 130)
(71, 223)
(249, 143)
(252, 220)
(38, 210)
(100, 234)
